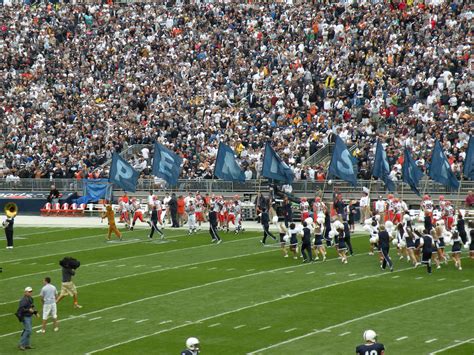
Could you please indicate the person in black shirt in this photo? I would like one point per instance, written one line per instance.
(53, 196)
(287, 211)
(154, 224)
(371, 346)
(173, 207)
(26, 310)
(265, 218)
(384, 246)
(213, 226)
(306, 244)
(8, 225)
(347, 237)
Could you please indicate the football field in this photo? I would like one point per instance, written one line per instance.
(239, 297)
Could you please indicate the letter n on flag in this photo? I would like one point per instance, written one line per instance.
(123, 174)
(166, 164)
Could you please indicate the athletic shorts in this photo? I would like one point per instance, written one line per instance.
(50, 310)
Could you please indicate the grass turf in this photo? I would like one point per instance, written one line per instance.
(237, 297)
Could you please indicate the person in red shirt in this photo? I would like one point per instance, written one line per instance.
(470, 199)
(181, 208)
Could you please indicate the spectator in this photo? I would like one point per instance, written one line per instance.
(470, 199)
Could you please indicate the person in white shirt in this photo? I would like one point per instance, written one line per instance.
(166, 212)
(48, 296)
(380, 207)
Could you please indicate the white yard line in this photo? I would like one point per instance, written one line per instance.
(141, 321)
(243, 308)
(118, 320)
(290, 330)
(402, 338)
(431, 340)
(345, 333)
(95, 318)
(214, 325)
(452, 346)
(265, 328)
(360, 318)
(240, 326)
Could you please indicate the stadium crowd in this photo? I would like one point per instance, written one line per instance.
(79, 82)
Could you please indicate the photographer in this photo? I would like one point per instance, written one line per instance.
(25, 312)
(69, 266)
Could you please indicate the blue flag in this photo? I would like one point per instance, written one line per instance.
(469, 161)
(440, 171)
(411, 172)
(275, 168)
(123, 174)
(226, 167)
(381, 167)
(166, 164)
(342, 163)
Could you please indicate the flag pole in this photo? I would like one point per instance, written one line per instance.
(459, 192)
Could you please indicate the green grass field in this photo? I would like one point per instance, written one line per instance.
(142, 297)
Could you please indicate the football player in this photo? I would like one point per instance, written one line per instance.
(304, 208)
(371, 345)
(192, 347)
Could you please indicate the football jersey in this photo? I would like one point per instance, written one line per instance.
(370, 349)
(304, 206)
(427, 205)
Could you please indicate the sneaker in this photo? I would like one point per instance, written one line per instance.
(460, 268)
(391, 269)
(285, 256)
(21, 347)
(401, 257)
(324, 258)
(56, 329)
(213, 241)
(149, 236)
(78, 306)
(39, 331)
(345, 261)
(219, 241)
(371, 253)
(417, 264)
(131, 228)
(438, 267)
(295, 257)
(316, 258)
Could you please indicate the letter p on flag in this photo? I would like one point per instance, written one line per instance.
(123, 174)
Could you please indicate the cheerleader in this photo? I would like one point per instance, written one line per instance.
(456, 249)
(434, 248)
(341, 244)
(283, 238)
(409, 238)
(440, 233)
(293, 240)
(318, 247)
(372, 228)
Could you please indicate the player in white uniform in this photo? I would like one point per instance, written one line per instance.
(137, 213)
(304, 208)
(160, 211)
(191, 213)
(165, 208)
(199, 211)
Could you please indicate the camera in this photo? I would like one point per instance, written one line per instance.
(69, 263)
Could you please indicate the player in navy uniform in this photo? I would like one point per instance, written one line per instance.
(426, 245)
(265, 218)
(213, 226)
(347, 236)
(192, 347)
(371, 347)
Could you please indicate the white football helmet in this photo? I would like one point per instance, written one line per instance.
(370, 336)
(193, 343)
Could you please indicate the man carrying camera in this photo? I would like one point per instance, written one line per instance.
(69, 266)
(25, 312)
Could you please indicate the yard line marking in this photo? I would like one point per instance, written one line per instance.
(231, 269)
(267, 327)
(330, 273)
(250, 270)
(395, 277)
(360, 318)
(418, 278)
(452, 346)
(6, 315)
(118, 320)
(290, 330)
(166, 321)
(311, 272)
(214, 325)
(352, 274)
(48, 264)
(345, 333)
(166, 269)
(401, 338)
(431, 340)
(33, 264)
(442, 279)
(264, 303)
(121, 265)
(465, 281)
(139, 266)
(289, 272)
(239, 326)
(156, 266)
(192, 268)
(103, 265)
(121, 259)
(212, 268)
(94, 318)
(141, 321)
(65, 240)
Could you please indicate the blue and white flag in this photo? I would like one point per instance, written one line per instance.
(440, 170)
(226, 167)
(166, 164)
(411, 173)
(381, 167)
(469, 161)
(123, 174)
(342, 163)
(275, 168)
